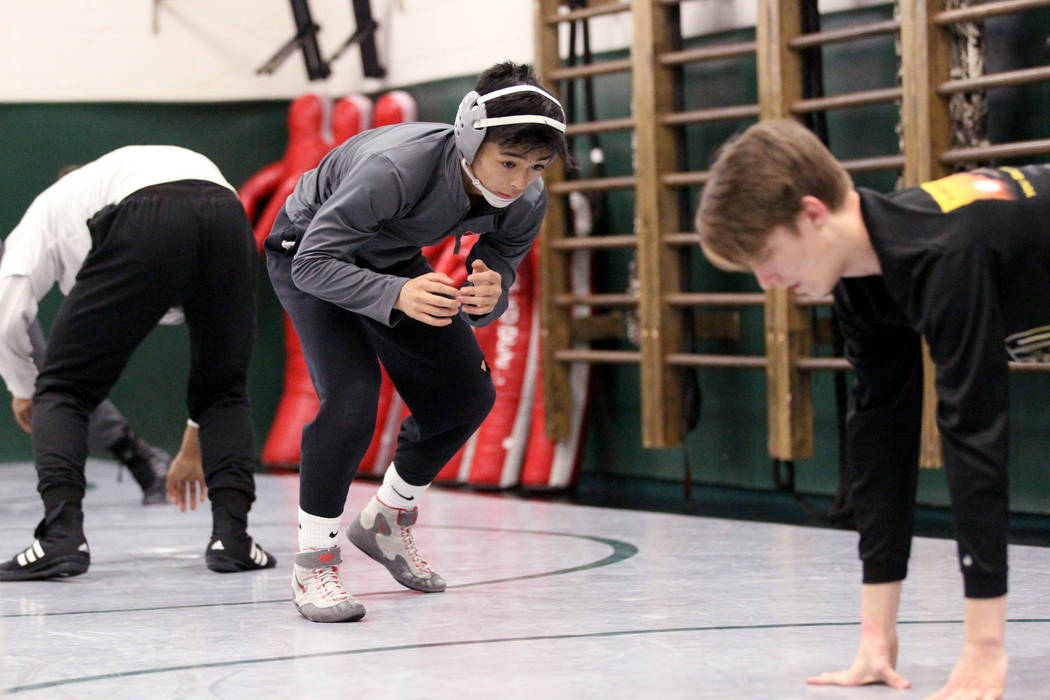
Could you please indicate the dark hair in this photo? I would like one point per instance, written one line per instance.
(531, 137)
(66, 170)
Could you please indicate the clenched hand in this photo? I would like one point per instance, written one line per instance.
(23, 410)
(481, 298)
(430, 299)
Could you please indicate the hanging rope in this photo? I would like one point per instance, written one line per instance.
(968, 111)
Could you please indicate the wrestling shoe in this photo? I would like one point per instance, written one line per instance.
(317, 589)
(58, 550)
(231, 553)
(148, 466)
(385, 534)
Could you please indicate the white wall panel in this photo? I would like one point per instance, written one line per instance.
(209, 50)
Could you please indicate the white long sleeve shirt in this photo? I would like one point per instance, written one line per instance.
(52, 240)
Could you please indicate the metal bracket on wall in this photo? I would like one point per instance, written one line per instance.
(317, 68)
(156, 16)
(366, 36)
(306, 39)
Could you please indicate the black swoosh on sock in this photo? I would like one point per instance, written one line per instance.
(407, 498)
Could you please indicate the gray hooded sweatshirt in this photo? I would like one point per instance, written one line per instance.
(373, 202)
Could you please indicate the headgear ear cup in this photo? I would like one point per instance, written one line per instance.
(472, 120)
(469, 137)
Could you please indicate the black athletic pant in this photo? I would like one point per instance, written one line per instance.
(186, 244)
(439, 372)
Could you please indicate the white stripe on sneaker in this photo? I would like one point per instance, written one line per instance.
(30, 554)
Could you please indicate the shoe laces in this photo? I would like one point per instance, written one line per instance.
(330, 588)
(409, 543)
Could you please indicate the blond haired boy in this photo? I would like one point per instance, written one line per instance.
(963, 261)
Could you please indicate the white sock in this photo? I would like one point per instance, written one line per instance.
(398, 493)
(316, 532)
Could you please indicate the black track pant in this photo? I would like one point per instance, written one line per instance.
(183, 244)
(439, 372)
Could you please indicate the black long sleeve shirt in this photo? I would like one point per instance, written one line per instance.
(965, 263)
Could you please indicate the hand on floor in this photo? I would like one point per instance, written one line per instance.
(874, 663)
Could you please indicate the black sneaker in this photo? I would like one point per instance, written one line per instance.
(148, 466)
(231, 553)
(58, 550)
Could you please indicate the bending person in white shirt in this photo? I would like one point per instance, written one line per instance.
(128, 237)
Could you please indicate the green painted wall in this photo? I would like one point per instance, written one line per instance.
(728, 446)
(38, 139)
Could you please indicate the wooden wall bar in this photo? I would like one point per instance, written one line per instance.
(926, 154)
(788, 333)
(554, 322)
(656, 210)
